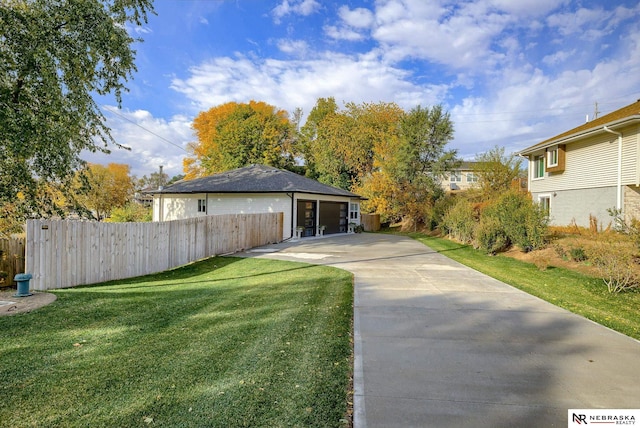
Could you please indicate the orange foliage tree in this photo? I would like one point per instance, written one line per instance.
(233, 135)
(101, 188)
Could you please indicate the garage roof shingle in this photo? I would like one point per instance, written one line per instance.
(254, 179)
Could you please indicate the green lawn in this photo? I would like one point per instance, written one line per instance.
(225, 342)
(573, 291)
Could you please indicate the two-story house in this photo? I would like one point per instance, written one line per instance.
(589, 169)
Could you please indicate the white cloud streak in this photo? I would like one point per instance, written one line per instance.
(152, 141)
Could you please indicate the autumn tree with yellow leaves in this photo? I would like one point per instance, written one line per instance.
(99, 189)
(234, 135)
(394, 158)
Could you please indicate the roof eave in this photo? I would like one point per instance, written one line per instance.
(266, 192)
(580, 135)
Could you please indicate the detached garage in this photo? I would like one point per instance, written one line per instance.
(310, 208)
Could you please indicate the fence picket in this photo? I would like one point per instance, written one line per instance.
(63, 254)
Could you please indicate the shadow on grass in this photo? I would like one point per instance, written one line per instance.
(254, 342)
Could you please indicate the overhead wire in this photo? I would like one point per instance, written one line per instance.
(144, 128)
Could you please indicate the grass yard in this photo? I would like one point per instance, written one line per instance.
(565, 288)
(226, 342)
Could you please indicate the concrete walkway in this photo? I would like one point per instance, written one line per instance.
(440, 345)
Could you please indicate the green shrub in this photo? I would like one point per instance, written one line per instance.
(523, 221)
(131, 212)
(460, 221)
(490, 235)
(439, 211)
(578, 254)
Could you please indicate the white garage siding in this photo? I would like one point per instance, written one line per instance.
(178, 206)
(167, 206)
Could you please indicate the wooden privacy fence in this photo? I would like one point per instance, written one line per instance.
(11, 259)
(62, 254)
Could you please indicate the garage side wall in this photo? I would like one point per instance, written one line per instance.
(167, 207)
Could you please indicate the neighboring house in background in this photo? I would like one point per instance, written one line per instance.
(305, 203)
(589, 169)
(462, 178)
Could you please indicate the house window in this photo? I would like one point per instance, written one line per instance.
(538, 167)
(552, 157)
(455, 177)
(545, 203)
(354, 211)
(472, 177)
(202, 205)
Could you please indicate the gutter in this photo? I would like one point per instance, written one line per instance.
(619, 185)
(583, 134)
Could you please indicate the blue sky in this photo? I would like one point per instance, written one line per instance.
(511, 73)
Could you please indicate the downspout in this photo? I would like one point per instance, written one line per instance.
(619, 186)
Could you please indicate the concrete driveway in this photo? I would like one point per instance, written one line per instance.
(440, 345)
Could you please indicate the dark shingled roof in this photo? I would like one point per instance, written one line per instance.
(255, 179)
(632, 111)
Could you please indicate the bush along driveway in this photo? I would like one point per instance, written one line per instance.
(222, 342)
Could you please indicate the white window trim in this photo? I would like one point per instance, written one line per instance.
(535, 168)
(545, 196)
(474, 177)
(549, 153)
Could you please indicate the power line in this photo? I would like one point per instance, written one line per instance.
(146, 129)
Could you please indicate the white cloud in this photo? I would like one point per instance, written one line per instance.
(296, 7)
(558, 57)
(342, 33)
(358, 18)
(153, 141)
(353, 24)
(291, 84)
(458, 37)
(527, 8)
(575, 22)
(297, 47)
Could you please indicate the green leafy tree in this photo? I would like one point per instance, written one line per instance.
(496, 171)
(54, 57)
(308, 134)
(405, 185)
(153, 181)
(341, 147)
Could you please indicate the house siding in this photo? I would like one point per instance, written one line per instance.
(631, 203)
(594, 163)
(589, 163)
(569, 207)
(588, 185)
